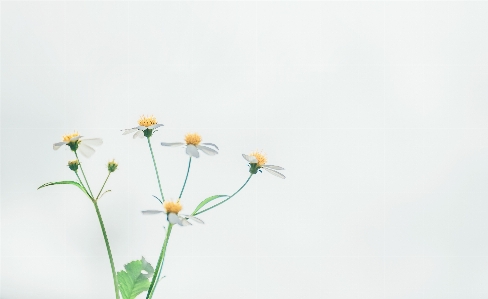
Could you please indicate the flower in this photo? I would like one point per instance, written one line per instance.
(146, 127)
(193, 144)
(258, 160)
(171, 209)
(75, 143)
(112, 165)
(73, 165)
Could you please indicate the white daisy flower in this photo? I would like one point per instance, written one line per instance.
(193, 145)
(258, 160)
(147, 126)
(75, 143)
(171, 209)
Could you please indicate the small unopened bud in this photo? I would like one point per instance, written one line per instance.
(112, 165)
(73, 165)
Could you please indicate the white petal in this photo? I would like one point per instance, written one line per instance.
(194, 218)
(138, 134)
(250, 159)
(275, 173)
(207, 150)
(191, 150)
(128, 131)
(151, 212)
(211, 144)
(57, 145)
(273, 167)
(86, 150)
(173, 218)
(92, 141)
(184, 222)
(75, 138)
(155, 126)
(142, 128)
(172, 144)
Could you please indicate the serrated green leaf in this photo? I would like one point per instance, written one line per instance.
(65, 183)
(133, 281)
(206, 201)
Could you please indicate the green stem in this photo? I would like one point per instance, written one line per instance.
(79, 179)
(114, 274)
(187, 172)
(159, 265)
(155, 168)
(103, 185)
(82, 172)
(227, 197)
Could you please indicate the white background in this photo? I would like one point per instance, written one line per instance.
(378, 111)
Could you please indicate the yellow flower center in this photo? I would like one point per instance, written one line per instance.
(147, 121)
(172, 206)
(260, 157)
(67, 137)
(193, 138)
(73, 162)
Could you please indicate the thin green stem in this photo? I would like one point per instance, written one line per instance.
(82, 172)
(155, 168)
(114, 274)
(79, 179)
(103, 185)
(159, 265)
(226, 198)
(187, 172)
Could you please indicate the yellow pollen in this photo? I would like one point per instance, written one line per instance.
(193, 138)
(67, 137)
(172, 206)
(260, 157)
(147, 121)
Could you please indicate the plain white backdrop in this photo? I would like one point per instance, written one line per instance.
(377, 111)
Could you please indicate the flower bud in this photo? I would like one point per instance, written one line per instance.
(112, 166)
(73, 165)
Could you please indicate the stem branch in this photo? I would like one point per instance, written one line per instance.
(155, 168)
(103, 185)
(187, 172)
(226, 198)
(82, 172)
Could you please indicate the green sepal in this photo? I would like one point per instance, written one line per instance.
(66, 183)
(206, 201)
(133, 281)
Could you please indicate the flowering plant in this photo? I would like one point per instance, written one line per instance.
(139, 276)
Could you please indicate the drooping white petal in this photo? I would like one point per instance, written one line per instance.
(155, 126)
(86, 150)
(138, 134)
(92, 141)
(184, 222)
(250, 159)
(273, 167)
(192, 151)
(275, 173)
(128, 131)
(142, 128)
(194, 219)
(152, 212)
(211, 144)
(75, 138)
(173, 218)
(172, 144)
(207, 150)
(57, 145)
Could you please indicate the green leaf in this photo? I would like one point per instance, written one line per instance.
(206, 201)
(66, 183)
(135, 279)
